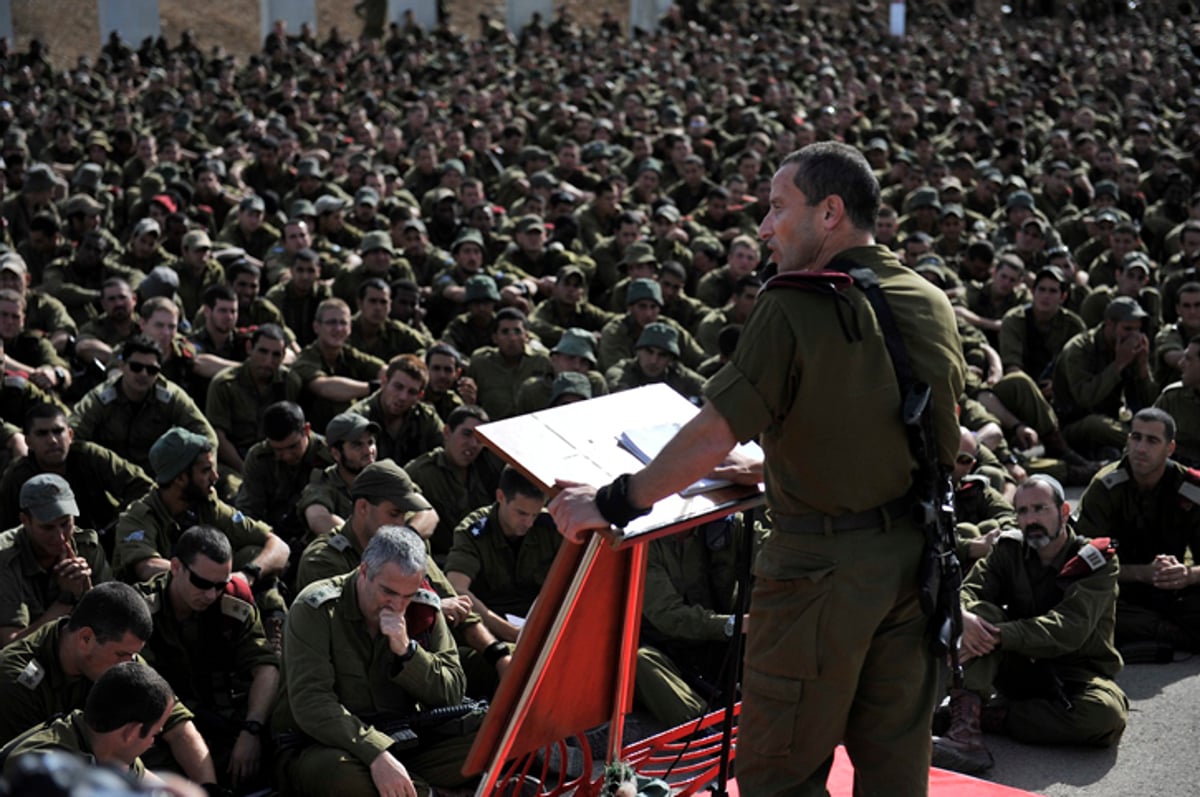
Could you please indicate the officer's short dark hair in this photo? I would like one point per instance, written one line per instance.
(983, 251)
(127, 692)
(746, 281)
(271, 331)
(464, 411)
(204, 540)
(112, 610)
(373, 283)
(446, 349)
(113, 282)
(218, 293)
(141, 344)
(509, 314)
(42, 411)
(830, 167)
(282, 419)
(46, 224)
(239, 267)
(1188, 287)
(514, 483)
(1156, 415)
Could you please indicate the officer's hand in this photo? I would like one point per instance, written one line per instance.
(979, 637)
(739, 469)
(1127, 349)
(393, 626)
(73, 575)
(390, 777)
(456, 609)
(467, 389)
(982, 546)
(1025, 436)
(574, 510)
(1169, 573)
(243, 761)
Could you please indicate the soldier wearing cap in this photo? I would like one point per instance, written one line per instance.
(278, 467)
(46, 563)
(83, 214)
(408, 426)
(567, 306)
(1132, 278)
(530, 265)
(656, 359)
(378, 261)
(366, 215)
(332, 228)
(426, 260)
(643, 306)
(129, 413)
(472, 329)
(922, 208)
(325, 502)
(355, 650)
(249, 229)
(575, 352)
(209, 644)
(1033, 237)
(1122, 241)
(197, 270)
(1099, 372)
(185, 471)
(53, 671)
(638, 262)
(502, 553)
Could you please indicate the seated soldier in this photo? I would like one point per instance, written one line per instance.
(278, 469)
(374, 332)
(1147, 502)
(1180, 400)
(447, 387)
(325, 502)
(566, 307)
(457, 476)
(129, 413)
(209, 643)
(354, 656)
(502, 553)
(238, 397)
(52, 671)
(472, 328)
(27, 352)
(46, 563)
(575, 352)
(736, 311)
(112, 482)
(124, 713)
(500, 369)
(408, 427)
(644, 306)
(656, 359)
(1038, 617)
(981, 511)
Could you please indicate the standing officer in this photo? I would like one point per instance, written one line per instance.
(837, 646)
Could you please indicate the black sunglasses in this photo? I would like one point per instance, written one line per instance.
(138, 367)
(202, 583)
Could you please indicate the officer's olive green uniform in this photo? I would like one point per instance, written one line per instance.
(1171, 338)
(26, 590)
(1032, 347)
(1182, 404)
(421, 430)
(550, 318)
(1146, 523)
(336, 675)
(1048, 630)
(235, 405)
(978, 509)
(309, 364)
(325, 488)
(394, 338)
(535, 393)
(452, 493)
(836, 651)
(299, 312)
(148, 530)
(103, 483)
(619, 336)
(34, 687)
(270, 487)
(628, 374)
(107, 417)
(63, 735)
(499, 383)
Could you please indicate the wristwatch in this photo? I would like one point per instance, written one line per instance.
(253, 571)
(253, 727)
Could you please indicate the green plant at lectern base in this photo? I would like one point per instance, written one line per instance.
(619, 780)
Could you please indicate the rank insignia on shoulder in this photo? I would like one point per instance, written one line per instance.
(1190, 491)
(235, 607)
(477, 528)
(339, 542)
(15, 381)
(238, 517)
(163, 394)
(136, 536)
(31, 676)
(1118, 476)
(108, 395)
(152, 602)
(322, 595)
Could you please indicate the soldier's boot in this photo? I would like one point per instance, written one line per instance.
(962, 748)
(991, 718)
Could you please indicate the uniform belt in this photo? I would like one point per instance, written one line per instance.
(820, 523)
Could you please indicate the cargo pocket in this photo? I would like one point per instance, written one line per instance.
(788, 615)
(769, 713)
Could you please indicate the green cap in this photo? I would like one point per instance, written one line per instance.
(47, 497)
(641, 289)
(570, 383)
(481, 288)
(577, 342)
(385, 480)
(660, 336)
(467, 236)
(348, 426)
(639, 252)
(376, 240)
(175, 451)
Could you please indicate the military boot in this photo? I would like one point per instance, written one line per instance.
(962, 749)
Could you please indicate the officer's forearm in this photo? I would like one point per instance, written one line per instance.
(274, 556)
(191, 753)
(261, 696)
(424, 522)
(227, 452)
(339, 388)
(12, 633)
(148, 568)
(695, 450)
(320, 520)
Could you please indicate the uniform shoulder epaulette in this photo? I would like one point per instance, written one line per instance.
(162, 393)
(323, 594)
(974, 481)
(1118, 476)
(109, 394)
(339, 542)
(32, 675)
(236, 608)
(814, 281)
(153, 603)
(478, 528)
(1012, 534)
(15, 381)
(1188, 488)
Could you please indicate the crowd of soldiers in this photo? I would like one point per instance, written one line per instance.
(252, 311)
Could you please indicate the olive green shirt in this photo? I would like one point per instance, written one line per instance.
(326, 488)
(821, 401)
(63, 735)
(309, 365)
(453, 493)
(420, 431)
(691, 583)
(27, 590)
(394, 338)
(1087, 380)
(619, 336)
(628, 374)
(1183, 404)
(1032, 354)
(235, 404)
(551, 318)
(499, 382)
(335, 673)
(270, 487)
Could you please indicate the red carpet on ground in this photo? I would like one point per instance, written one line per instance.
(941, 783)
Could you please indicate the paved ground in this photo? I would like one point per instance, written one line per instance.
(1155, 757)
